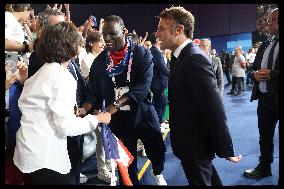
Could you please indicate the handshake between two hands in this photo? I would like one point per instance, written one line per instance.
(103, 117)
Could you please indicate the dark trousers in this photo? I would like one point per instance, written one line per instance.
(237, 84)
(160, 102)
(200, 172)
(227, 74)
(248, 79)
(267, 119)
(46, 177)
(75, 152)
(13, 175)
(151, 137)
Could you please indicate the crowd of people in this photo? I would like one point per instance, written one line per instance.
(58, 75)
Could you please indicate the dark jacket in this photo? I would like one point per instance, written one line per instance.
(160, 71)
(82, 89)
(101, 87)
(198, 119)
(226, 61)
(35, 63)
(274, 74)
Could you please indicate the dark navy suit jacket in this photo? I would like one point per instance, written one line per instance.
(81, 83)
(198, 120)
(160, 73)
(101, 87)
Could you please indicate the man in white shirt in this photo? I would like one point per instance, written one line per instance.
(238, 72)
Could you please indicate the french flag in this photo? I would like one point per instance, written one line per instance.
(117, 153)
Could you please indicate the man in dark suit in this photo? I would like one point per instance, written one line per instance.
(265, 75)
(160, 77)
(226, 63)
(121, 75)
(197, 116)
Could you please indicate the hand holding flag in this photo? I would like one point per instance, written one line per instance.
(116, 151)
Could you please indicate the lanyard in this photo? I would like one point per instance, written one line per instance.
(73, 70)
(127, 74)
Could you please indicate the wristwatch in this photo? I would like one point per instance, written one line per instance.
(116, 105)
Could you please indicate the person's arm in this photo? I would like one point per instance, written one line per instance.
(200, 82)
(66, 123)
(144, 39)
(10, 79)
(23, 71)
(87, 27)
(27, 28)
(219, 76)
(67, 10)
(160, 63)
(101, 25)
(11, 45)
(142, 69)
(257, 61)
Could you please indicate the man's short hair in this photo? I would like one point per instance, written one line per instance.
(181, 16)
(153, 38)
(59, 42)
(133, 37)
(114, 18)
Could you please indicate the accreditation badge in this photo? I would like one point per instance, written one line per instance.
(118, 93)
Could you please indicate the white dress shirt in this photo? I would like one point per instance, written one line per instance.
(47, 106)
(264, 62)
(179, 49)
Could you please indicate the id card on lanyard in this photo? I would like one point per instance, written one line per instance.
(118, 93)
(122, 90)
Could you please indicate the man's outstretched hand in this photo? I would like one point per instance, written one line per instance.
(235, 159)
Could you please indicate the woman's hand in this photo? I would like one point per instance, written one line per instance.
(10, 79)
(104, 117)
(23, 71)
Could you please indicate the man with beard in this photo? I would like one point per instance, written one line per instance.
(265, 75)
